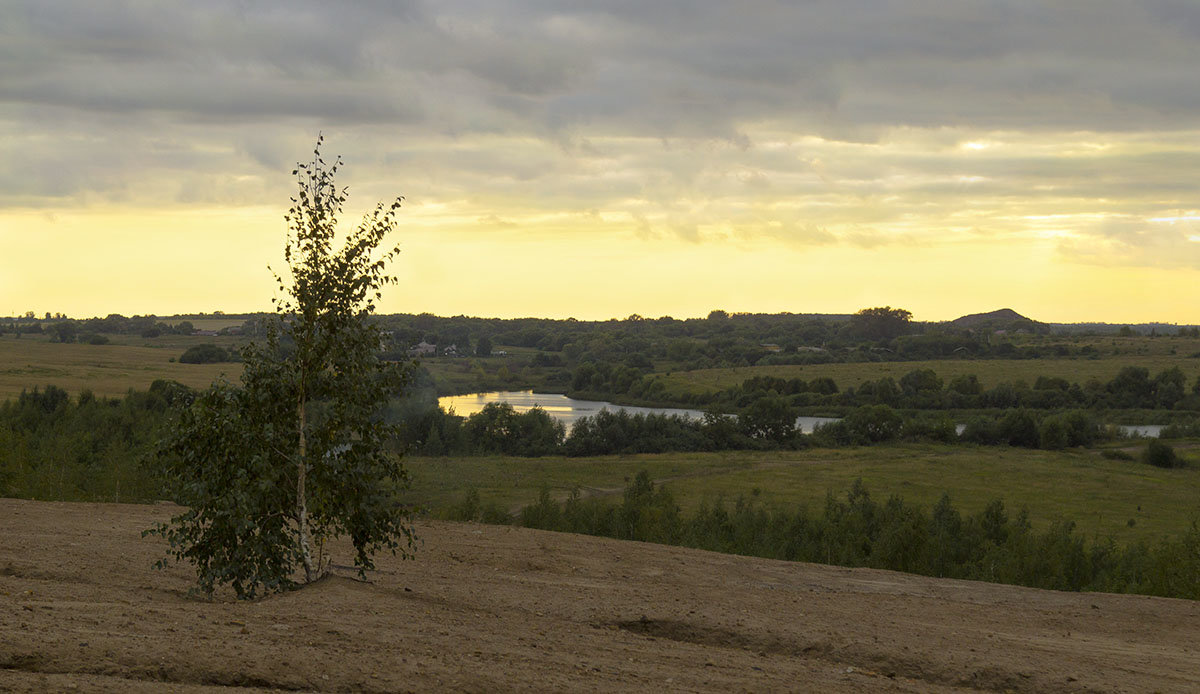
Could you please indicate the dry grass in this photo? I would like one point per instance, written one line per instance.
(106, 370)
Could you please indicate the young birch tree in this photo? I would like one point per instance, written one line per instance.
(297, 454)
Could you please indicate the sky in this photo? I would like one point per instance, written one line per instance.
(601, 159)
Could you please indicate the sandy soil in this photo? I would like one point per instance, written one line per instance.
(489, 608)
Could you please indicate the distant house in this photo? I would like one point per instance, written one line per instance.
(771, 347)
(205, 333)
(451, 351)
(423, 349)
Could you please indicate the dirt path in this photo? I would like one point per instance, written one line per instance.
(489, 608)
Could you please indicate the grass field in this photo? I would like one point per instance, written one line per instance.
(107, 370)
(1100, 495)
(990, 371)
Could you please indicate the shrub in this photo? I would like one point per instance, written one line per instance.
(1053, 433)
(1019, 428)
(769, 418)
(206, 353)
(981, 430)
(1160, 454)
(873, 424)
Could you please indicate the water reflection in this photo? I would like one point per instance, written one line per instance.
(1147, 431)
(569, 410)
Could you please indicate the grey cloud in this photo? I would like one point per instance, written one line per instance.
(661, 68)
(132, 100)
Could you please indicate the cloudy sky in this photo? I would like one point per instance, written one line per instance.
(607, 158)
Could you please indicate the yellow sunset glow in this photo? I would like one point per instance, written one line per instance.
(560, 163)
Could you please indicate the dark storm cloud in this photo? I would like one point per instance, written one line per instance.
(671, 68)
(781, 119)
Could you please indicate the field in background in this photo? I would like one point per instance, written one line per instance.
(990, 371)
(108, 370)
(1102, 496)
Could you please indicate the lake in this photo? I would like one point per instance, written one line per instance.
(1146, 431)
(569, 410)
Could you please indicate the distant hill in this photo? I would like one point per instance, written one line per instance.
(1003, 319)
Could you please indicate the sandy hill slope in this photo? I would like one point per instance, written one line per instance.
(489, 608)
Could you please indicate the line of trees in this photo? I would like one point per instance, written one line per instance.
(724, 340)
(922, 389)
(63, 329)
(856, 530)
(53, 446)
(769, 423)
(87, 448)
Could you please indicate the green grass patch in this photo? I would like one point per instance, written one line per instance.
(1099, 494)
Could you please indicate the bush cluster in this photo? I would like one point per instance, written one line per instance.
(923, 389)
(498, 429)
(856, 530)
(53, 447)
(206, 353)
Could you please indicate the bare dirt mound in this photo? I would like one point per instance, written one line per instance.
(488, 608)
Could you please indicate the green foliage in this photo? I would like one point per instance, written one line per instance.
(873, 424)
(1160, 454)
(1053, 433)
(769, 418)
(921, 381)
(498, 428)
(206, 353)
(1019, 428)
(881, 322)
(855, 530)
(543, 514)
(53, 448)
(298, 454)
(228, 465)
(608, 432)
(471, 509)
(65, 331)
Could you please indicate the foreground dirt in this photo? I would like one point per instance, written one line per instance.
(487, 608)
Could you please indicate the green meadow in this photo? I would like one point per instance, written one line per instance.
(1102, 496)
(1107, 498)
